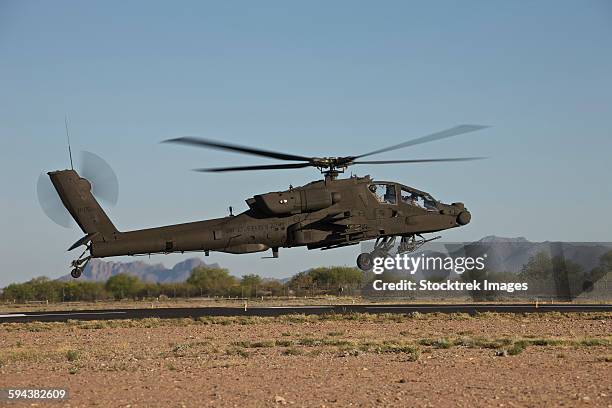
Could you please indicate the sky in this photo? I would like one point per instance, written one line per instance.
(313, 78)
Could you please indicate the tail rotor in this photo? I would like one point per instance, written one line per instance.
(104, 186)
(50, 202)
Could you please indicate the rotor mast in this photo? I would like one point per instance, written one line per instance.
(331, 167)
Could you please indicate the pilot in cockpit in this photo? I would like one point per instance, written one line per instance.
(390, 195)
(430, 205)
(414, 200)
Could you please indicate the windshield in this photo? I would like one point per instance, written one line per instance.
(384, 192)
(421, 200)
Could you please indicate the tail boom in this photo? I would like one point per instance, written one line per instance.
(235, 234)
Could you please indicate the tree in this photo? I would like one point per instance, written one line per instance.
(18, 292)
(557, 276)
(538, 268)
(606, 261)
(300, 280)
(605, 267)
(149, 290)
(326, 279)
(75, 290)
(250, 284)
(213, 281)
(123, 286)
(336, 276)
(250, 280)
(272, 287)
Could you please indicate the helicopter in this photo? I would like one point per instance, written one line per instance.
(324, 214)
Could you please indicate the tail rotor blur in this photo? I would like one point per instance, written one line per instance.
(104, 186)
(104, 182)
(50, 202)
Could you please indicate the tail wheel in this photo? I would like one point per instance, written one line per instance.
(365, 261)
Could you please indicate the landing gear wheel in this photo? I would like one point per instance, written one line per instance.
(78, 265)
(365, 261)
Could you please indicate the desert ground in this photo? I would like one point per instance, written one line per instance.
(267, 301)
(360, 360)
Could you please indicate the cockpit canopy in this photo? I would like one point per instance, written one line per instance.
(392, 193)
(385, 193)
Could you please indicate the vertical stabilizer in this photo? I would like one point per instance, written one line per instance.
(75, 193)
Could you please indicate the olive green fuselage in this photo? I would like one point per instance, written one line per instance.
(322, 214)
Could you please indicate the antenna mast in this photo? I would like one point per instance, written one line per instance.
(68, 139)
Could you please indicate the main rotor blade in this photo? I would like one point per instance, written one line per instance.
(457, 130)
(450, 159)
(262, 167)
(194, 141)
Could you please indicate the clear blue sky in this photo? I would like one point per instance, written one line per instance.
(315, 78)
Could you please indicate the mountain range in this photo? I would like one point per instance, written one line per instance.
(503, 254)
(510, 254)
(99, 271)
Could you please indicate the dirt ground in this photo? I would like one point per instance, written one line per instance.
(488, 360)
(179, 302)
(282, 301)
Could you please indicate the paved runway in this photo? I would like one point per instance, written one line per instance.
(187, 312)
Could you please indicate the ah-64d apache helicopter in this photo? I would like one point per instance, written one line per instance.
(325, 214)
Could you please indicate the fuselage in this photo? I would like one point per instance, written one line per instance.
(321, 214)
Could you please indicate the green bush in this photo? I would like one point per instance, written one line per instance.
(214, 282)
(324, 280)
(123, 286)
